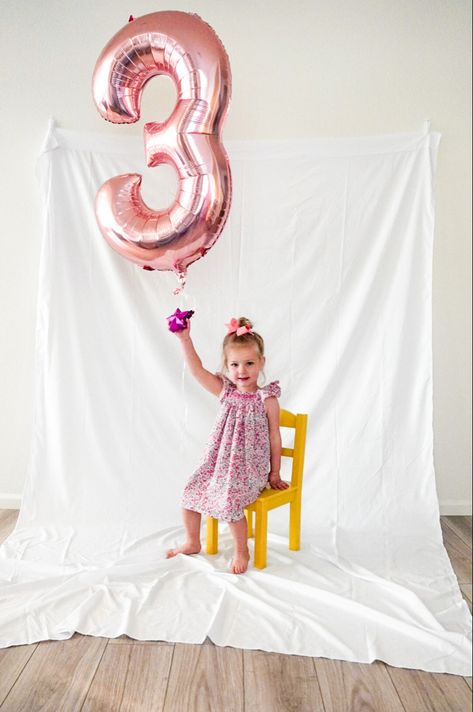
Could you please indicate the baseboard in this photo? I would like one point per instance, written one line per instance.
(449, 507)
(455, 507)
(10, 501)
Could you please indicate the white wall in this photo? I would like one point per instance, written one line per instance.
(300, 68)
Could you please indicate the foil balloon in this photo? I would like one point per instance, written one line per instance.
(184, 47)
(178, 320)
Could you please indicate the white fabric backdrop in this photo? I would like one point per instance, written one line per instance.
(328, 249)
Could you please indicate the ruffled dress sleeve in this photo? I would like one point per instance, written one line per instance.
(272, 389)
(227, 386)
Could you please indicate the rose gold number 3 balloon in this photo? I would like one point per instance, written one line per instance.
(187, 49)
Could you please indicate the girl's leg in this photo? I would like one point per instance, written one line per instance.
(241, 554)
(192, 543)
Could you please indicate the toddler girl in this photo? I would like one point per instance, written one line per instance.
(245, 442)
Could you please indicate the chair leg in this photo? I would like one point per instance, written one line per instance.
(295, 525)
(212, 536)
(261, 537)
(249, 522)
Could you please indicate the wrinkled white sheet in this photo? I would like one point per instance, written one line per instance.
(328, 249)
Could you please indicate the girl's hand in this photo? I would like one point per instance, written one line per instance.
(184, 334)
(276, 482)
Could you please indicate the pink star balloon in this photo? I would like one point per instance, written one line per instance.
(178, 320)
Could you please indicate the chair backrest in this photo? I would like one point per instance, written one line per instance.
(298, 421)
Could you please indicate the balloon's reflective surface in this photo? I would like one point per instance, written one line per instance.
(185, 48)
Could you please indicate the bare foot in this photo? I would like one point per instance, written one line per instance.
(187, 548)
(239, 563)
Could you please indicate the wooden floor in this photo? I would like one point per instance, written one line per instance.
(120, 675)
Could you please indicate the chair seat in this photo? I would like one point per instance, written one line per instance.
(272, 498)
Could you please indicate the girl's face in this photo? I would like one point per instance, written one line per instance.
(244, 364)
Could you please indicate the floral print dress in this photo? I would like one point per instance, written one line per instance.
(236, 463)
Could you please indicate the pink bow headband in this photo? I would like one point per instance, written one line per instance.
(233, 328)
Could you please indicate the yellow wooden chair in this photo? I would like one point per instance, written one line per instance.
(271, 498)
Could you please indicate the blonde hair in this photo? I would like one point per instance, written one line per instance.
(250, 338)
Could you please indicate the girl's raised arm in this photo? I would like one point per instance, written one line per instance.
(207, 380)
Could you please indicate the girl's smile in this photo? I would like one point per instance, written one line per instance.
(244, 364)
